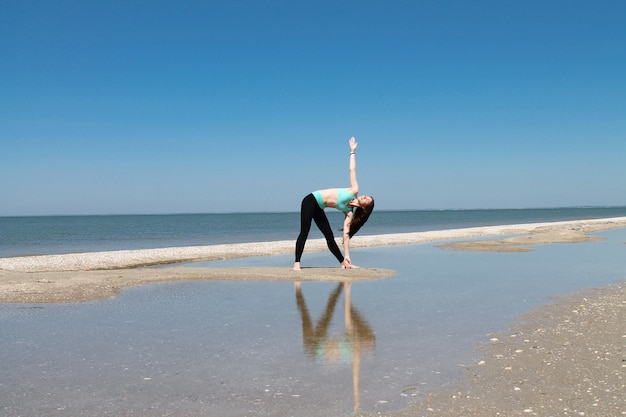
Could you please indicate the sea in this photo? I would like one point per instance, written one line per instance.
(280, 349)
(40, 235)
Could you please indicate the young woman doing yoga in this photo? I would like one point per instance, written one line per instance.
(356, 210)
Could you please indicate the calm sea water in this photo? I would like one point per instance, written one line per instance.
(67, 234)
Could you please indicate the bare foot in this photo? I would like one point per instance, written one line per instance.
(296, 266)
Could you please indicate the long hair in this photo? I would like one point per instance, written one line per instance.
(360, 217)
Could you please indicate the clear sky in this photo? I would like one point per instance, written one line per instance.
(155, 106)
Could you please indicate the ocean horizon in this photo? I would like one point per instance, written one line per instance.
(58, 234)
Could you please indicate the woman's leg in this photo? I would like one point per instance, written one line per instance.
(322, 223)
(307, 211)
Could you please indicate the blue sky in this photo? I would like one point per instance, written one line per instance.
(111, 107)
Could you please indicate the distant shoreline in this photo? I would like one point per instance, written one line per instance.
(296, 212)
(48, 235)
(97, 275)
(534, 233)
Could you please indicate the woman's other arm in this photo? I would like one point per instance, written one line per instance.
(346, 237)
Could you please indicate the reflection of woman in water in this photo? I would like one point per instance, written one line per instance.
(343, 199)
(345, 349)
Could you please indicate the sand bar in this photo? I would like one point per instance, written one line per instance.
(89, 276)
(531, 234)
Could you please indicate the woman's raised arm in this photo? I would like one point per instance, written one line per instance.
(354, 185)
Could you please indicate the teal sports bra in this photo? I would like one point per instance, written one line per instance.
(343, 198)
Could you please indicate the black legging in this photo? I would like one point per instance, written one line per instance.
(312, 211)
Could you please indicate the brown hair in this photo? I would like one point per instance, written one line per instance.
(360, 217)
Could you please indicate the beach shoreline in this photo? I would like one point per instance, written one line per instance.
(96, 275)
(564, 358)
(523, 236)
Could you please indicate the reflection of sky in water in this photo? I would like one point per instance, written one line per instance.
(256, 349)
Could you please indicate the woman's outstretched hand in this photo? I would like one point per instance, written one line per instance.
(347, 264)
(353, 144)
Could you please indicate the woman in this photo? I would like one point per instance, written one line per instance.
(343, 199)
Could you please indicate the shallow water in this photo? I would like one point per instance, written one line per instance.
(257, 349)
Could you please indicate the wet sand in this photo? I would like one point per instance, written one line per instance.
(567, 358)
(89, 276)
(79, 286)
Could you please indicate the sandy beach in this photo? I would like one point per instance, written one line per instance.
(564, 358)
